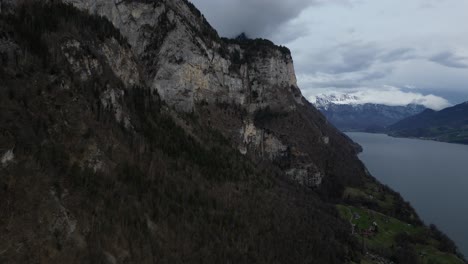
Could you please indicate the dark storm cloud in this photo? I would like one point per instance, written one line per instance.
(257, 18)
(449, 59)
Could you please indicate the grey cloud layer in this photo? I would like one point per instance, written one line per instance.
(257, 18)
(450, 59)
(355, 57)
(351, 64)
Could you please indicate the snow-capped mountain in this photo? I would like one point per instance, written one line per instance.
(348, 112)
(323, 101)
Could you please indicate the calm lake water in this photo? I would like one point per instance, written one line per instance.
(432, 176)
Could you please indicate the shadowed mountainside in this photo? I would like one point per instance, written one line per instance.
(448, 125)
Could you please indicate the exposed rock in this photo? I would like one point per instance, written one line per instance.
(111, 99)
(185, 68)
(273, 148)
(7, 157)
(326, 140)
(110, 259)
(122, 63)
(93, 158)
(307, 176)
(83, 63)
(268, 146)
(61, 223)
(378, 259)
(188, 67)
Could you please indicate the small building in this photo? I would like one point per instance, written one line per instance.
(356, 216)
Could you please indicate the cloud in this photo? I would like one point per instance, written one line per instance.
(345, 80)
(449, 59)
(356, 56)
(389, 95)
(257, 18)
(427, 4)
(398, 54)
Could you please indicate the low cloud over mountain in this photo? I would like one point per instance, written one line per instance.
(388, 95)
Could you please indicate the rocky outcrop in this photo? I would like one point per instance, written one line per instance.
(255, 139)
(187, 66)
(190, 67)
(7, 158)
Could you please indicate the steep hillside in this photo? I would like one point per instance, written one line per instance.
(231, 85)
(367, 117)
(142, 137)
(449, 125)
(95, 169)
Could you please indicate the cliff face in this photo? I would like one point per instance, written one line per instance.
(187, 63)
(193, 70)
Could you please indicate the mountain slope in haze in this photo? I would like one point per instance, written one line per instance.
(348, 116)
(140, 136)
(448, 125)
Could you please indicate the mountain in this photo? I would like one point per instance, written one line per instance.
(348, 114)
(448, 125)
(245, 89)
(132, 133)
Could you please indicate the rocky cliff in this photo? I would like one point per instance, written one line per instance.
(187, 63)
(193, 70)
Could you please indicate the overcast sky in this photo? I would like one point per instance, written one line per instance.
(389, 51)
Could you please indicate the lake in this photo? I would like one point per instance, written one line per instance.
(432, 176)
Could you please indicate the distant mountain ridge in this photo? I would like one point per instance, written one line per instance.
(325, 100)
(448, 125)
(347, 113)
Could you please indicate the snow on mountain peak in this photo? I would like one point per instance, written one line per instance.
(325, 100)
(389, 96)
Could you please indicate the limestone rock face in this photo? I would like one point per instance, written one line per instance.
(187, 67)
(190, 66)
(7, 157)
(83, 64)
